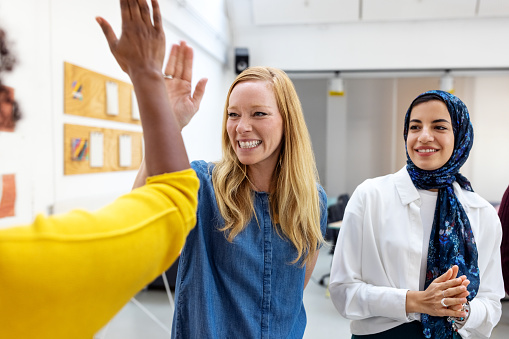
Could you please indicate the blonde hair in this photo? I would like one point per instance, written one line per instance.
(294, 180)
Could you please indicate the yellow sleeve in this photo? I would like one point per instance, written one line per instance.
(66, 276)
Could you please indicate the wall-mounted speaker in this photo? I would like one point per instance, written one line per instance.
(241, 59)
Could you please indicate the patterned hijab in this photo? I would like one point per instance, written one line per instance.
(451, 241)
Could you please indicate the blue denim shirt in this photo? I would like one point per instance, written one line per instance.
(244, 289)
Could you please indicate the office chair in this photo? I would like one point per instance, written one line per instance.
(335, 213)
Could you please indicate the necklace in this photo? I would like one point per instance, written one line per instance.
(253, 185)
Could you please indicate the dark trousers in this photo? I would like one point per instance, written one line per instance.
(412, 330)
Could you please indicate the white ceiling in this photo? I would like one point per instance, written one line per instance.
(291, 12)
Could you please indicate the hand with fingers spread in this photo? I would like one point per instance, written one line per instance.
(444, 297)
(179, 71)
(140, 52)
(141, 45)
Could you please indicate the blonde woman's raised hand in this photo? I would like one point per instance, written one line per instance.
(141, 45)
(179, 72)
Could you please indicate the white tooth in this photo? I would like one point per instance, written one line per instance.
(249, 144)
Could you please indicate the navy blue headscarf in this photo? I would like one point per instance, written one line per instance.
(451, 241)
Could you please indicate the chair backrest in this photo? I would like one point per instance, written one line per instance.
(337, 211)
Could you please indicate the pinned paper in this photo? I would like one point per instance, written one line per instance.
(135, 110)
(96, 149)
(8, 200)
(79, 149)
(77, 90)
(125, 150)
(111, 98)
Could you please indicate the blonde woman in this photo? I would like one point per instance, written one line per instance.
(261, 214)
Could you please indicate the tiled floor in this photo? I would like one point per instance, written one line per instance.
(323, 319)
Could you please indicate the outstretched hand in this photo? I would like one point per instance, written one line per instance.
(141, 46)
(184, 103)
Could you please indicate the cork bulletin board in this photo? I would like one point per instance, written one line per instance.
(95, 150)
(98, 149)
(94, 95)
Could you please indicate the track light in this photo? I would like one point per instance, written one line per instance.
(336, 85)
(447, 82)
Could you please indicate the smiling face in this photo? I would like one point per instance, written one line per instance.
(430, 140)
(255, 125)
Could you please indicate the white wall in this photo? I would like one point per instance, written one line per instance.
(29, 151)
(47, 33)
(313, 96)
(475, 42)
(369, 129)
(490, 117)
(337, 146)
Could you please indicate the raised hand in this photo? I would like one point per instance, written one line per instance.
(141, 46)
(184, 103)
(140, 53)
(447, 289)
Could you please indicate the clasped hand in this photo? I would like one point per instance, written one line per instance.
(447, 289)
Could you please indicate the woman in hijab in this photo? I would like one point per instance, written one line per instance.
(418, 255)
